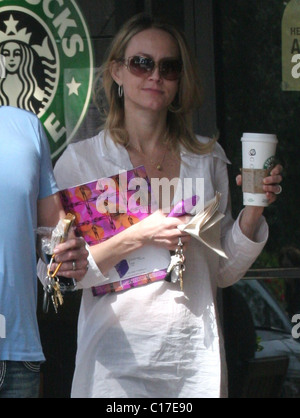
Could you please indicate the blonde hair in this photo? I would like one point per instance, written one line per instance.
(189, 96)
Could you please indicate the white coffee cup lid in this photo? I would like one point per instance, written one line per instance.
(257, 137)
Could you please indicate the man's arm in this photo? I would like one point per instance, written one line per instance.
(71, 253)
(50, 211)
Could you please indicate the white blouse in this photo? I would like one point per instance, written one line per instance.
(155, 341)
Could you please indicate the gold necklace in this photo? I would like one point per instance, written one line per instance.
(158, 165)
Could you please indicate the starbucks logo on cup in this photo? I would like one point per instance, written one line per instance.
(269, 163)
(48, 59)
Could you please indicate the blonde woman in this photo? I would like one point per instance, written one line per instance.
(157, 341)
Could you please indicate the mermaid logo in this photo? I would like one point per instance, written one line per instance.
(47, 64)
(22, 87)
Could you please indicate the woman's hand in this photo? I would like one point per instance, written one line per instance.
(158, 229)
(271, 183)
(73, 256)
(251, 214)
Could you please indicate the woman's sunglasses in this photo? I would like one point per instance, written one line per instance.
(169, 69)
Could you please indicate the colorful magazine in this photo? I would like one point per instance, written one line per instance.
(106, 207)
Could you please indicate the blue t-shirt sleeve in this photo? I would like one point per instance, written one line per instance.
(48, 184)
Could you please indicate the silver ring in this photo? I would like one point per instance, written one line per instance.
(74, 265)
(279, 190)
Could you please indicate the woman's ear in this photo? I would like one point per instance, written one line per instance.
(115, 71)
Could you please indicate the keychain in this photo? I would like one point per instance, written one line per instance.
(176, 267)
(52, 288)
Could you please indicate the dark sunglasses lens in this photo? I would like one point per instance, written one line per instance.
(141, 65)
(171, 69)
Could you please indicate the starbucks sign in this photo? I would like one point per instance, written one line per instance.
(47, 56)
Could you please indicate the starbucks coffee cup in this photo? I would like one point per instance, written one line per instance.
(258, 160)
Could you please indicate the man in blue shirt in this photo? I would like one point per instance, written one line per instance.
(28, 199)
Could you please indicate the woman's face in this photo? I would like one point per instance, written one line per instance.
(151, 92)
(12, 53)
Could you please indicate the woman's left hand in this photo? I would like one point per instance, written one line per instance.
(272, 183)
(251, 214)
(73, 256)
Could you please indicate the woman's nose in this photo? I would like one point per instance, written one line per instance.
(155, 74)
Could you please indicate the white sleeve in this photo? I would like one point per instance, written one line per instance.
(93, 276)
(241, 251)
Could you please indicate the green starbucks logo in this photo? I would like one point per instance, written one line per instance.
(49, 66)
(269, 163)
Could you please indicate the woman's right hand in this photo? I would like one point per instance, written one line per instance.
(158, 229)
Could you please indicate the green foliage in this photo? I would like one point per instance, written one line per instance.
(259, 347)
(266, 260)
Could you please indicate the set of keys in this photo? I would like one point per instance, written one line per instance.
(176, 267)
(52, 290)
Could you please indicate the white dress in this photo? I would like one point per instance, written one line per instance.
(155, 341)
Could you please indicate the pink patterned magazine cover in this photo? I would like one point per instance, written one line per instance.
(106, 207)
